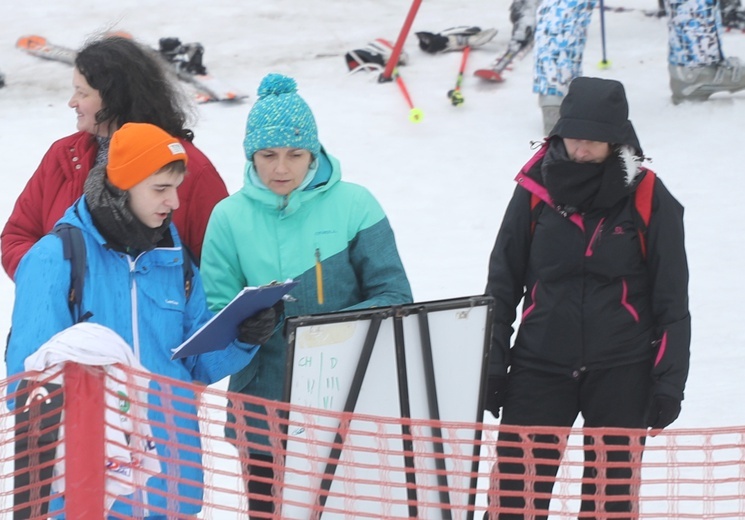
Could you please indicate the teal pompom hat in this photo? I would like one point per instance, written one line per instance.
(280, 118)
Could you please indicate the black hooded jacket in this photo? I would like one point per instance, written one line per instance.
(591, 300)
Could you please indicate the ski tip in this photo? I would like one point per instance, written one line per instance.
(119, 34)
(232, 97)
(31, 42)
(229, 98)
(200, 98)
(489, 75)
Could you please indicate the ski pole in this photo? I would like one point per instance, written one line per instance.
(398, 47)
(604, 63)
(456, 96)
(415, 114)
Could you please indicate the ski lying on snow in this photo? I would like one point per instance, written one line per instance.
(41, 48)
(207, 87)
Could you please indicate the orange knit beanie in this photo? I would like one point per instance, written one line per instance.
(138, 150)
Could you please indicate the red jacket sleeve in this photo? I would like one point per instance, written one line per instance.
(201, 190)
(24, 227)
(55, 185)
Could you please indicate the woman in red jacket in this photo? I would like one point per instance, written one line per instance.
(115, 81)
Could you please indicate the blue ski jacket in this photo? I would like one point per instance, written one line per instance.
(144, 300)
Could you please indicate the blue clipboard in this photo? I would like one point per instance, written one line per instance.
(222, 329)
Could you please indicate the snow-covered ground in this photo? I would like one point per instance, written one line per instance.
(444, 181)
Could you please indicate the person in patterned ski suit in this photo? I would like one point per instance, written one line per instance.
(697, 64)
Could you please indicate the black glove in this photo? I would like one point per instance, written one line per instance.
(257, 329)
(279, 308)
(496, 391)
(663, 412)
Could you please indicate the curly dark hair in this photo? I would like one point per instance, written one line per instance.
(134, 85)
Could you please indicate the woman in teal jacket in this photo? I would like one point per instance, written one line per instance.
(295, 218)
(134, 285)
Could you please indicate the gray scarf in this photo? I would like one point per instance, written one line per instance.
(109, 207)
(102, 155)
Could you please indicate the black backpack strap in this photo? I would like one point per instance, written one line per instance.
(190, 260)
(535, 210)
(73, 249)
(643, 206)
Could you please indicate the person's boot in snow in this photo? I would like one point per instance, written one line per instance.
(698, 83)
(550, 110)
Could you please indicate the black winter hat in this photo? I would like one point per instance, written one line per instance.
(596, 109)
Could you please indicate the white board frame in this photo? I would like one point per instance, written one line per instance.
(422, 361)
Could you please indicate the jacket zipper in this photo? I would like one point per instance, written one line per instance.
(595, 237)
(133, 296)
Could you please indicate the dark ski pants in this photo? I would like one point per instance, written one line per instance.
(258, 471)
(616, 397)
(259, 487)
(39, 412)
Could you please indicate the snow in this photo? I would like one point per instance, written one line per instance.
(445, 181)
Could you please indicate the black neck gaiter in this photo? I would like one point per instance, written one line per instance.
(582, 186)
(115, 221)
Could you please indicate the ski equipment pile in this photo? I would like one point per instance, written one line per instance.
(185, 59)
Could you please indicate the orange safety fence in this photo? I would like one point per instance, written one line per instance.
(107, 437)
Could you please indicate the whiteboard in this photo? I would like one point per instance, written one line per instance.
(423, 361)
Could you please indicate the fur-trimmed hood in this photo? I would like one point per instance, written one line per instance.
(630, 161)
(627, 163)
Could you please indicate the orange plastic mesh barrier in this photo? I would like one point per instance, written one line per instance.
(107, 438)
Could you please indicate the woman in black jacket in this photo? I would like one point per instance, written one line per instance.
(605, 328)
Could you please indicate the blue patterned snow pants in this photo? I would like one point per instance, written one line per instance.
(694, 34)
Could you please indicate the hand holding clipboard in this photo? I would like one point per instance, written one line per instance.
(222, 329)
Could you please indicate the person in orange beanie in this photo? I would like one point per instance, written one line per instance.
(135, 285)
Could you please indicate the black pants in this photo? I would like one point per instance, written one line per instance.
(259, 466)
(39, 411)
(617, 397)
(251, 473)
